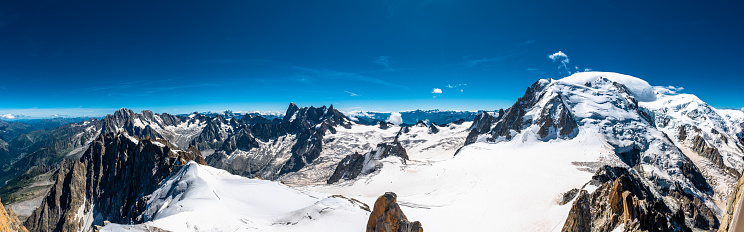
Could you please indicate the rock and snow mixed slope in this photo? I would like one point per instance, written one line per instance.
(202, 198)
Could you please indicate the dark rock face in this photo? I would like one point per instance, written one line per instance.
(309, 137)
(513, 118)
(109, 181)
(481, 125)
(556, 120)
(693, 174)
(621, 198)
(580, 218)
(307, 124)
(385, 125)
(349, 168)
(354, 165)
(701, 147)
(386, 216)
(433, 128)
(390, 149)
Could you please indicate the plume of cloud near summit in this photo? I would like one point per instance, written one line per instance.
(561, 58)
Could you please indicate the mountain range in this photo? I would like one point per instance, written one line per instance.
(594, 151)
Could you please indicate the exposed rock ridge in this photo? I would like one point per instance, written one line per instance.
(700, 146)
(622, 198)
(108, 183)
(306, 125)
(387, 216)
(554, 119)
(354, 165)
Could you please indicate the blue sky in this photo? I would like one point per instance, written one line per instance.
(91, 57)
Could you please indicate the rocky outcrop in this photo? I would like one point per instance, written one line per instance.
(386, 216)
(109, 182)
(622, 198)
(733, 199)
(349, 168)
(481, 125)
(354, 165)
(9, 221)
(556, 120)
(433, 128)
(700, 146)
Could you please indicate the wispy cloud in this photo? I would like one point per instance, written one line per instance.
(121, 85)
(484, 61)
(457, 87)
(308, 74)
(561, 58)
(351, 94)
(384, 61)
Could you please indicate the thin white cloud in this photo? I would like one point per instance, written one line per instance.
(675, 88)
(477, 62)
(437, 91)
(457, 87)
(314, 73)
(384, 61)
(562, 58)
(351, 94)
(668, 90)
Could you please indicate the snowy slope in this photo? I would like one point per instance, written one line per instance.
(509, 186)
(202, 198)
(687, 120)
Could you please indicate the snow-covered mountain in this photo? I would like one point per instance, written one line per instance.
(594, 151)
(410, 117)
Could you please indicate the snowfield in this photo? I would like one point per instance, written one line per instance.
(509, 186)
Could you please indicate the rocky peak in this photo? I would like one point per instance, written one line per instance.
(481, 125)
(433, 128)
(387, 216)
(291, 111)
(420, 123)
(108, 183)
(354, 165)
